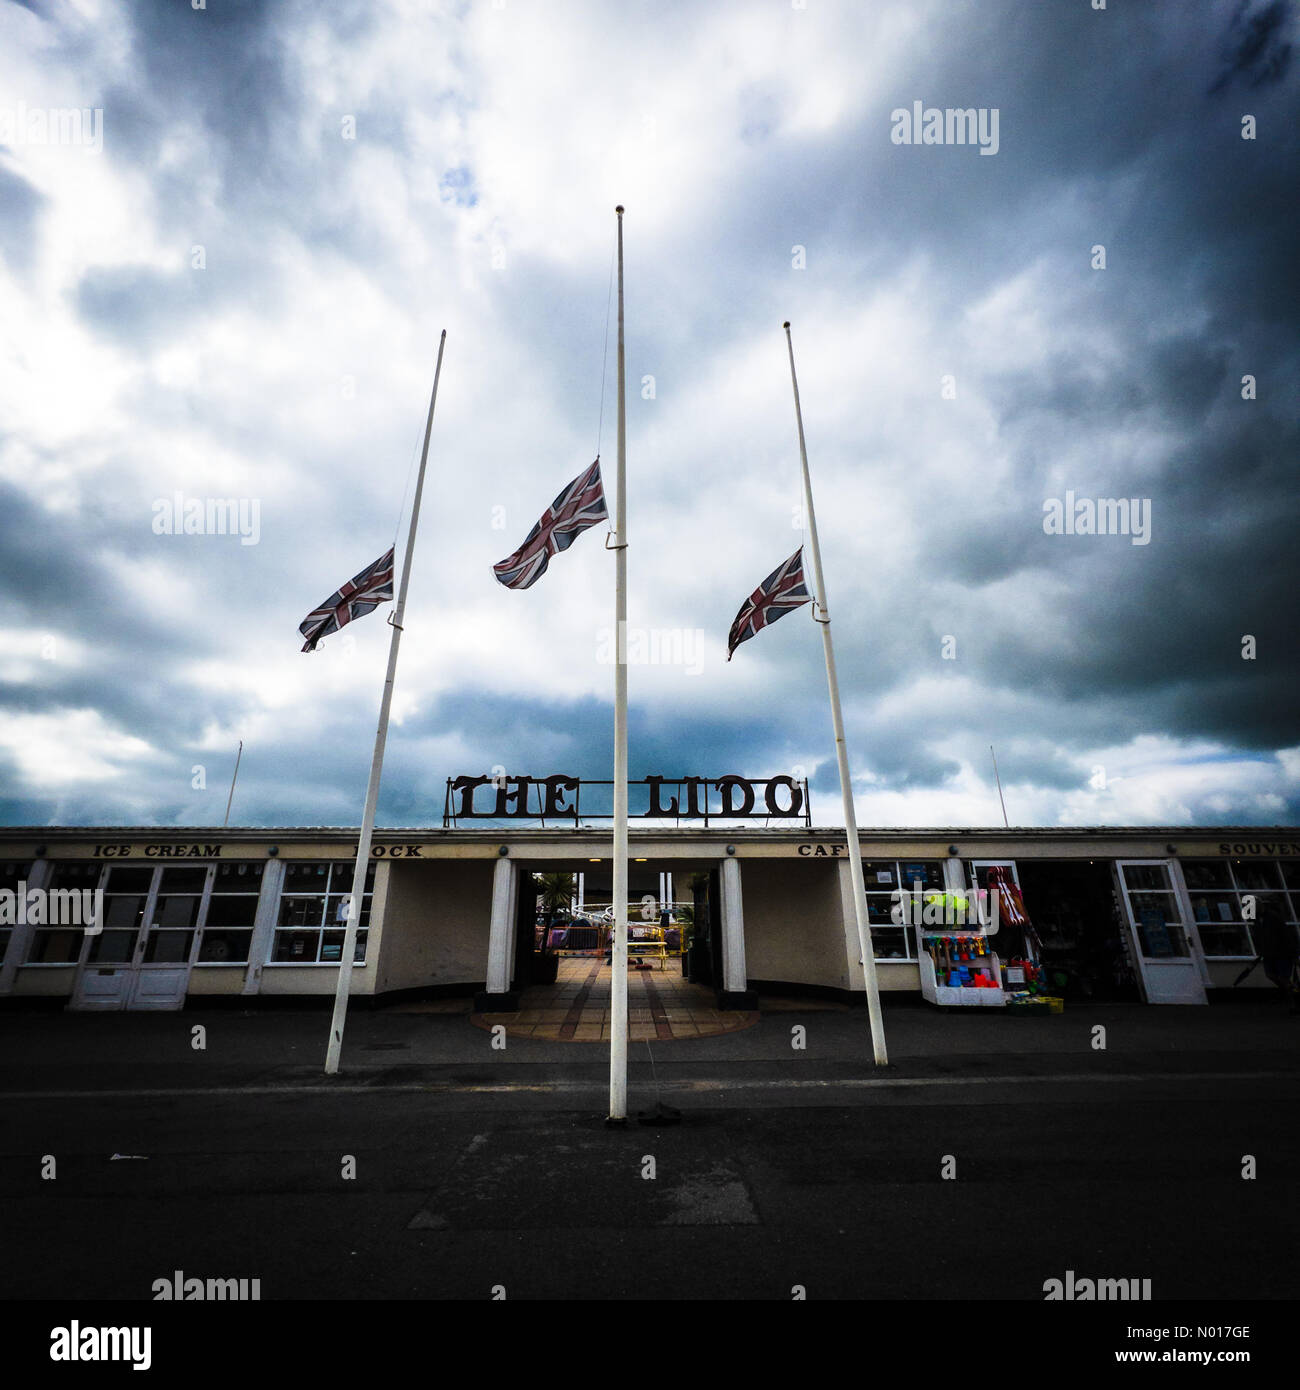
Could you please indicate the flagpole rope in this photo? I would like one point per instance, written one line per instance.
(604, 357)
(406, 490)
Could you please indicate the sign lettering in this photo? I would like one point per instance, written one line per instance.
(560, 797)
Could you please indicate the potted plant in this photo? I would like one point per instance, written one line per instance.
(556, 893)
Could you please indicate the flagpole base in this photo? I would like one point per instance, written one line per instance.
(612, 1123)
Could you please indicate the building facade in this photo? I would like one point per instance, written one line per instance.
(243, 915)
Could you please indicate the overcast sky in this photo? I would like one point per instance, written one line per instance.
(235, 291)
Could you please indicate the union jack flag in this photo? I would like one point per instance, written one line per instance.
(580, 505)
(362, 594)
(780, 593)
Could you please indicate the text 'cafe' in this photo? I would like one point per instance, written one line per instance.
(729, 877)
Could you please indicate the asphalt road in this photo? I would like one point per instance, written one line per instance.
(406, 1179)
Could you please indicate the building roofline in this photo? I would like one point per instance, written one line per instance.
(695, 830)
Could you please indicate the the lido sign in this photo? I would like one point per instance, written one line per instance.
(652, 798)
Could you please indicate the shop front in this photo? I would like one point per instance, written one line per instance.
(1164, 916)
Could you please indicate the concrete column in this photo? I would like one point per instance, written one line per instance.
(496, 997)
(735, 993)
(20, 940)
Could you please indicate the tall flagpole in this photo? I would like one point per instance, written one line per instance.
(618, 956)
(356, 898)
(841, 747)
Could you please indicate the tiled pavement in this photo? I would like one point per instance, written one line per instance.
(662, 1006)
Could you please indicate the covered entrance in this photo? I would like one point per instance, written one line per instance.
(1071, 904)
(552, 923)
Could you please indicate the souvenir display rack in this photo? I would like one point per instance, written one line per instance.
(959, 968)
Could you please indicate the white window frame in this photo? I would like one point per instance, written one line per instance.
(286, 892)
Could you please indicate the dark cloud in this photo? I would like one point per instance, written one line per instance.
(1255, 49)
(1115, 128)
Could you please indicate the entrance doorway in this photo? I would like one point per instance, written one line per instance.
(1071, 906)
(563, 912)
(1160, 927)
(141, 958)
(158, 923)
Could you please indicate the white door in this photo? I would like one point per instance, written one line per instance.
(1164, 944)
(141, 958)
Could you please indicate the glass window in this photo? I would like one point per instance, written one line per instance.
(128, 880)
(111, 947)
(61, 945)
(1215, 907)
(13, 877)
(880, 873)
(1139, 876)
(880, 909)
(1156, 915)
(177, 911)
(1256, 873)
(123, 911)
(190, 879)
(232, 910)
(313, 908)
(239, 877)
(1161, 907)
(1224, 938)
(927, 872)
(305, 878)
(1207, 873)
(1218, 888)
(169, 947)
(13, 872)
(883, 878)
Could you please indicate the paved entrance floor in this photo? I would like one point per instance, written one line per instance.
(661, 1004)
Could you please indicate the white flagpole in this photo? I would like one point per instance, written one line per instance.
(841, 747)
(618, 956)
(355, 900)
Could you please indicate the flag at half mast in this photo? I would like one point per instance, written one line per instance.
(780, 593)
(580, 505)
(362, 594)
